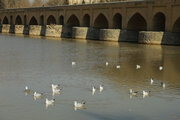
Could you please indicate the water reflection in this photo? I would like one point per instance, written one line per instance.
(39, 62)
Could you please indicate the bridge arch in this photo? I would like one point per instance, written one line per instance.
(137, 22)
(101, 22)
(159, 21)
(117, 21)
(33, 21)
(18, 20)
(5, 20)
(86, 20)
(51, 20)
(73, 21)
(61, 20)
(176, 26)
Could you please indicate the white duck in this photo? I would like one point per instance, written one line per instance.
(93, 90)
(73, 63)
(152, 81)
(160, 68)
(101, 88)
(50, 102)
(134, 93)
(146, 93)
(27, 90)
(38, 95)
(79, 105)
(163, 84)
(55, 86)
(138, 66)
(118, 66)
(107, 63)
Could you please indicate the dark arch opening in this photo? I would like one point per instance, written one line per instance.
(176, 26)
(73, 21)
(5, 20)
(18, 20)
(25, 20)
(101, 22)
(51, 20)
(86, 20)
(61, 20)
(42, 20)
(159, 22)
(137, 22)
(33, 21)
(117, 21)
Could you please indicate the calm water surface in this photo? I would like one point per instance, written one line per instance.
(39, 62)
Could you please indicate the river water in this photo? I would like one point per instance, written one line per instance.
(39, 62)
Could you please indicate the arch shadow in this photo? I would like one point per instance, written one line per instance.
(137, 23)
(33, 21)
(117, 21)
(86, 20)
(5, 20)
(176, 26)
(101, 22)
(159, 22)
(51, 20)
(18, 20)
(73, 21)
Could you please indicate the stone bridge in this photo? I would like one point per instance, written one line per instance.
(157, 15)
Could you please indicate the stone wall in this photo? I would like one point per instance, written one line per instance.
(146, 37)
(166, 38)
(53, 30)
(85, 33)
(36, 30)
(19, 29)
(118, 35)
(5, 28)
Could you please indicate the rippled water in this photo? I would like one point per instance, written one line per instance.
(38, 62)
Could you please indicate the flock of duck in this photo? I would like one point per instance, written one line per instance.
(146, 93)
(80, 105)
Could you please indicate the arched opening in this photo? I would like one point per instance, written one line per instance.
(117, 21)
(5, 20)
(25, 20)
(101, 22)
(18, 20)
(73, 21)
(51, 20)
(42, 20)
(61, 20)
(176, 26)
(33, 21)
(159, 21)
(137, 22)
(86, 20)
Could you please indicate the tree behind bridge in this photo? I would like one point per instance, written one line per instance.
(1, 4)
(56, 2)
(38, 3)
(16, 3)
